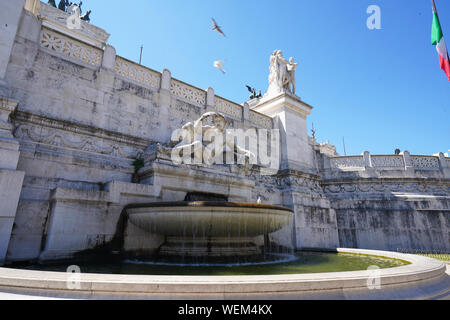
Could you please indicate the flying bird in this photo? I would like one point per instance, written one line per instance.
(217, 28)
(219, 65)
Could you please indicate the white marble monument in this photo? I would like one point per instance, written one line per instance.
(289, 112)
(75, 117)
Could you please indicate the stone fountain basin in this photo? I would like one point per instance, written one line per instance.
(209, 219)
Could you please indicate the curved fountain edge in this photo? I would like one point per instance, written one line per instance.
(224, 204)
(424, 278)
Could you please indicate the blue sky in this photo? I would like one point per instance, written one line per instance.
(380, 89)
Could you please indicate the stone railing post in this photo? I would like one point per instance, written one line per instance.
(326, 163)
(409, 168)
(245, 112)
(444, 166)
(367, 160)
(109, 58)
(164, 91)
(210, 100)
(166, 78)
(106, 74)
(165, 101)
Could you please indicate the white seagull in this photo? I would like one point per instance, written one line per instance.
(219, 65)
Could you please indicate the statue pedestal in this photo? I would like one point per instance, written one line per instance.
(291, 112)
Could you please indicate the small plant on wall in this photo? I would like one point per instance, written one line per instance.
(138, 164)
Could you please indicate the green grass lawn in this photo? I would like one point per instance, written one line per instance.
(442, 257)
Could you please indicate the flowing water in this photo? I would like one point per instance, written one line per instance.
(270, 264)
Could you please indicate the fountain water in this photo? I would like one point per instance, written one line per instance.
(209, 230)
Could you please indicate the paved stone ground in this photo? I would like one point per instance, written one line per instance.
(12, 296)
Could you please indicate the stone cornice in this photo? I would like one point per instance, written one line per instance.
(430, 181)
(7, 106)
(271, 105)
(296, 173)
(41, 120)
(193, 172)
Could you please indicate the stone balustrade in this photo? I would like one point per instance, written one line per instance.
(188, 93)
(387, 162)
(260, 120)
(228, 108)
(149, 78)
(66, 47)
(347, 163)
(78, 46)
(403, 162)
(76, 51)
(425, 162)
(137, 73)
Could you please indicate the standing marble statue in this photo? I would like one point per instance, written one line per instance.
(291, 67)
(282, 74)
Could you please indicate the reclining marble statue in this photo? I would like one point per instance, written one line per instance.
(206, 143)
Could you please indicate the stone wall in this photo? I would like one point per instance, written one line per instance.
(390, 202)
(393, 224)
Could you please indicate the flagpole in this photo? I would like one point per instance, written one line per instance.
(434, 6)
(140, 57)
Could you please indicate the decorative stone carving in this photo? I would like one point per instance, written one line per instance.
(188, 93)
(228, 108)
(347, 162)
(293, 182)
(344, 188)
(387, 161)
(333, 189)
(137, 73)
(7, 106)
(265, 180)
(60, 138)
(260, 120)
(66, 46)
(425, 162)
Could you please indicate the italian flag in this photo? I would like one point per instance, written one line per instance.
(437, 39)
